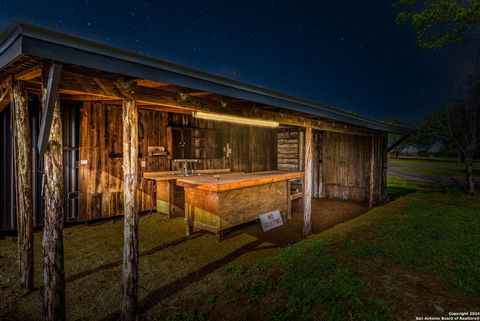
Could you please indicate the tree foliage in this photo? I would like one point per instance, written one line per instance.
(459, 124)
(440, 22)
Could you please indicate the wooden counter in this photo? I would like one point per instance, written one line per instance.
(236, 180)
(216, 205)
(170, 198)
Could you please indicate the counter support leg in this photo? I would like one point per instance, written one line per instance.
(219, 236)
(188, 229)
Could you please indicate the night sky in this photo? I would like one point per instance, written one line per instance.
(347, 54)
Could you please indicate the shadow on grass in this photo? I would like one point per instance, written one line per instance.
(113, 264)
(157, 295)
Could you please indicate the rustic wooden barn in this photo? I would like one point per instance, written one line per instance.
(121, 120)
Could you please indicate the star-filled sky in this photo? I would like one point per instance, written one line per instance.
(347, 54)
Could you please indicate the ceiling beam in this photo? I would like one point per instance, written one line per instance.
(29, 74)
(49, 106)
(79, 84)
(4, 99)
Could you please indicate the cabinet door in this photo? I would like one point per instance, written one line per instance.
(182, 143)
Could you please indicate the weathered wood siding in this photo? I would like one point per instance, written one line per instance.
(346, 167)
(288, 150)
(101, 176)
(253, 149)
(341, 165)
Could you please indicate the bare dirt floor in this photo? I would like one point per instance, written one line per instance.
(175, 271)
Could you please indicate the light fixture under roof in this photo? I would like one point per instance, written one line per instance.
(235, 119)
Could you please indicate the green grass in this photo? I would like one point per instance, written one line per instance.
(437, 233)
(433, 161)
(440, 172)
(434, 166)
(310, 277)
(397, 186)
(429, 228)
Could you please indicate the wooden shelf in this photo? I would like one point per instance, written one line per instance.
(296, 195)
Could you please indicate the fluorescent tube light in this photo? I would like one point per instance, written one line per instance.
(235, 119)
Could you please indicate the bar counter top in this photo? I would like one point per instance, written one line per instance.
(175, 175)
(229, 181)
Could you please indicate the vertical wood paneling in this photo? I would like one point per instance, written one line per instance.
(101, 178)
(346, 166)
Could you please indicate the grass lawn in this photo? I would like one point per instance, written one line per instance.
(434, 166)
(415, 256)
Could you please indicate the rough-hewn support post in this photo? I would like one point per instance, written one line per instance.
(53, 268)
(130, 182)
(315, 165)
(307, 196)
(23, 174)
(301, 150)
(372, 172)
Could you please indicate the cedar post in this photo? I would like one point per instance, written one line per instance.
(130, 181)
(301, 150)
(315, 164)
(307, 195)
(372, 169)
(23, 173)
(53, 268)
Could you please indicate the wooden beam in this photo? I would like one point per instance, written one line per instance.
(51, 96)
(23, 173)
(398, 142)
(5, 99)
(29, 74)
(75, 83)
(308, 183)
(53, 263)
(130, 183)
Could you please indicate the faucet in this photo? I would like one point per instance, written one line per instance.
(186, 171)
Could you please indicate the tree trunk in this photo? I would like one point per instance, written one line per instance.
(130, 181)
(53, 268)
(23, 165)
(470, 180)
(460, 157)
(307, 195)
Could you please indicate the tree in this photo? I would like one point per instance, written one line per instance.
(440, 22)
(459, 125)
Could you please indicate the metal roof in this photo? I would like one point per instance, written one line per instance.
(25, 39)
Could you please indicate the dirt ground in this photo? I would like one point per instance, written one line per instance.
(325, 214)
(175, 270)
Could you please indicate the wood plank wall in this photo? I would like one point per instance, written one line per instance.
(346, 167)
(100, 179)
(253, 148)
(342, 163)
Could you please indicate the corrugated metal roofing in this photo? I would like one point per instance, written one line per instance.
(24, 39)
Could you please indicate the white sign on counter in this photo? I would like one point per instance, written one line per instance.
(271, 220)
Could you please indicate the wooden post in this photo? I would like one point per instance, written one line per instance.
(301, 150)
(23, 157)
(307, 196)
(53, 268)
(130, 182)
(315, 164)
(372, 172)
